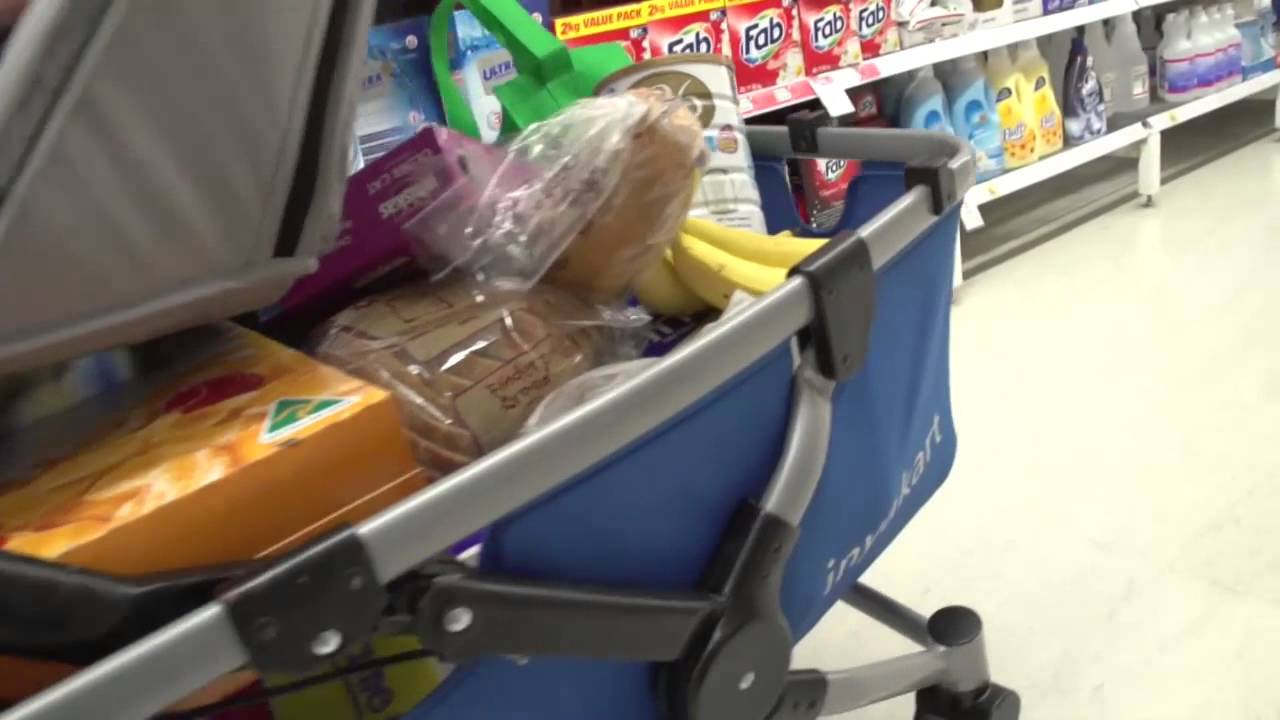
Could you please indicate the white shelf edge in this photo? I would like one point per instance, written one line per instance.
(1072, 157)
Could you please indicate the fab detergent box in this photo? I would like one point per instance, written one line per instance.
(623, 24)
(827, 35)
(764, 40)
(686, 26)
(876, 28)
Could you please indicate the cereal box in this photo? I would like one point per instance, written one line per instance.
(827, 35)
(877, 31)
(764, 39)
(686, 26)
(623, 24)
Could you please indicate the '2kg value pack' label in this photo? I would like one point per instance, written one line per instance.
(764, 39)
(678, 27)
(624, 24)
(827, 35)
(876, 28)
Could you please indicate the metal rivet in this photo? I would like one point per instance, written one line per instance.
(747, 681)
(458, 619)
(326, 643)
(266, 630)
(355, 583)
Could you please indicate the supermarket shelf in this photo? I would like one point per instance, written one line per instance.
(1139, 130)
(798, 91)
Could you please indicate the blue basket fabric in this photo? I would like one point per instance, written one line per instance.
(652, 515)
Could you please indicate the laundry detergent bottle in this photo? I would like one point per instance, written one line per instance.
(1132, 91)
(1095, 42)
(924, 105)
(1176, 72)
(1204, 41)
(1084, 116)
(974, 116)
(1017, 127)
(1038, 96)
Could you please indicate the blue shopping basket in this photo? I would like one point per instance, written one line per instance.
(656, 553)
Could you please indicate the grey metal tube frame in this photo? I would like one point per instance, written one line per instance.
(180, 658)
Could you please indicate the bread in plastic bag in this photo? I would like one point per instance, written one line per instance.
(467, 367)
(583, 201)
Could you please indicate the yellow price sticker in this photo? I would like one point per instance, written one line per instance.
(1173, 117)
(993, 191)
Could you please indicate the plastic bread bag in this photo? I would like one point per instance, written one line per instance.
(468, 367)
(582, 201)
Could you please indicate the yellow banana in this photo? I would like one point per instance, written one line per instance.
(661, 291)
(714, 274)
(777, 250)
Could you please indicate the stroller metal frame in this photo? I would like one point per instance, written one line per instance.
(726, 650)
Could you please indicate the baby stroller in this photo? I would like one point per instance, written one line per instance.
(653, 554)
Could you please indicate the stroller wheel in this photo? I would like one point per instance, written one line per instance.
(994, 702)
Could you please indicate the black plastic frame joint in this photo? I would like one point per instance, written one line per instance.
(803, 696)
(308, 606)
(842, 281)
(941, 182)
(803, 128)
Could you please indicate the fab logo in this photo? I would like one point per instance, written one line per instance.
(696, 38)
(827, 28)
(762, 37)
(871, 18)
(833, 169)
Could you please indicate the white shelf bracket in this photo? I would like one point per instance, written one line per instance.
(1149, 168)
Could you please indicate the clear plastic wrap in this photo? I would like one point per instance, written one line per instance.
(468, 367)
(582, 201)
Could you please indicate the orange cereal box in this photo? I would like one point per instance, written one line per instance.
(238, 453)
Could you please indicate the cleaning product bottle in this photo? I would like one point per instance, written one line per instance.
(1016, 124)
(1084, 116)
(1133, 81)
(1041, 103)
(1095, 41)
(1235, 43)
(1177, 72)
(1222, 46)
(974, 116)
(1204, 43)
(924, 104)
(1149, 36)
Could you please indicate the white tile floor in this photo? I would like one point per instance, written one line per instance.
(1114, 513)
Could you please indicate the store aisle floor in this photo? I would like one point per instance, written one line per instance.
(1114, 513)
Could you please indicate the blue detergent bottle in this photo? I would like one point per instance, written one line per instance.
(924, 104)
(973, 114)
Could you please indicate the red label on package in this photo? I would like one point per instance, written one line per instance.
(686, 26)
(877, 31)
(764, 40)
(826, 184)
(624, 25)
(827, 35)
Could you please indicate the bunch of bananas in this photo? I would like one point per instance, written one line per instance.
(709, 261)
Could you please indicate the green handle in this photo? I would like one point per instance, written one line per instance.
(548, 74)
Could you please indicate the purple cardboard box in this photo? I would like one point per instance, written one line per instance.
(380, 199)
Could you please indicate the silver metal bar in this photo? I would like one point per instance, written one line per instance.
(890, 613)
(804, 454)
(848, 690)
(147, 676)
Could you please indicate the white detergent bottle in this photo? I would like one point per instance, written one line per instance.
(1176, 72)
(1095, 40)
(1222, 43)
(1204, 41)
(1133, 82)
(1235, 43)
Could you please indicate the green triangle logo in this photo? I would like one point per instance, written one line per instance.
(289, 415)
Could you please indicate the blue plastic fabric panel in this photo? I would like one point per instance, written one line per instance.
(651, 517)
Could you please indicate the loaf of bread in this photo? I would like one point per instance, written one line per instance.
(643, 212)
(467, 372)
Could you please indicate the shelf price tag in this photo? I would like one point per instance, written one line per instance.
(832, 96)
